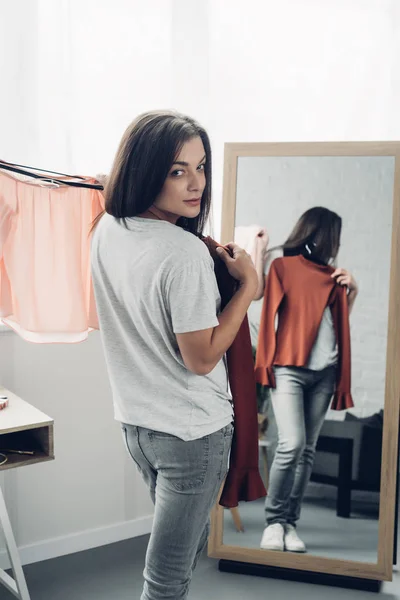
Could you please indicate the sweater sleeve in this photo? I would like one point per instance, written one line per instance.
(340, 313)
(266, 348)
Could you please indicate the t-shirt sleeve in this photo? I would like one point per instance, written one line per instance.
(193, 297)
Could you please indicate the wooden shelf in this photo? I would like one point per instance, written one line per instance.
(24, 427)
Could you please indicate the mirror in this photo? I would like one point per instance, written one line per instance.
(322, 467)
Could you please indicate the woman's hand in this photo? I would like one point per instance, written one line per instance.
(264, 237)
(239, 265)
(344, 277)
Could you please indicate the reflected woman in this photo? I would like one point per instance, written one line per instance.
(303, 355)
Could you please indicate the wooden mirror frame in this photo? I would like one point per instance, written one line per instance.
(382, 569)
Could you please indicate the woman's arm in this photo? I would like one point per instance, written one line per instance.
(351, 296)
(344, 277)
(202, 350)
(261, 260)
(260, 268)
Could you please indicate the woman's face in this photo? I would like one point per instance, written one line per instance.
(183, 188)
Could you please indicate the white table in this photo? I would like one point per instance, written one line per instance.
(22, 427)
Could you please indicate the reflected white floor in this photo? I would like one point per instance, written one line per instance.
(323, 532)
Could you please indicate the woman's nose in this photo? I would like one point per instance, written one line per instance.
(196, 182)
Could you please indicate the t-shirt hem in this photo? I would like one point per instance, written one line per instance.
(194, 433)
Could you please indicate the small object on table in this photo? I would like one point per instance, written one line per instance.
(27, 452)
(3, 402)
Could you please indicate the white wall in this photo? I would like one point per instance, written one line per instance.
(76, 73)
(91, 494)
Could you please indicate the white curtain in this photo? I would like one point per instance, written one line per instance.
(76, 72)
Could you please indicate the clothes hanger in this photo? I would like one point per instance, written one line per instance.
(16, 169)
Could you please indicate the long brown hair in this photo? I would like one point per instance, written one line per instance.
(145, 155)
(316, 235)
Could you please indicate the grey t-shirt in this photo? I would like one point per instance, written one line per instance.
(152, 281)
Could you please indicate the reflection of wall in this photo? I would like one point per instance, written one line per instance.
(274, 192)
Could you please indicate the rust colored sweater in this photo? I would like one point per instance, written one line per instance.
(243, 481)
(299, 290)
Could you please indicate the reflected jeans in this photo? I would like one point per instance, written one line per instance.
(300, 402)
(184, 479)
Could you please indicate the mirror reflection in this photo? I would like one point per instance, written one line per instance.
(319, 232)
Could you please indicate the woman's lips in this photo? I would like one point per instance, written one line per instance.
(194, 202)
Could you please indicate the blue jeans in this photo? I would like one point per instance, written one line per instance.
(300, 402)
(184, 479)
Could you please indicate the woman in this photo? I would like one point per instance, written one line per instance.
(164, 339)
(305, 361)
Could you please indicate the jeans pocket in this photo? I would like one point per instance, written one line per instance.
(224, 443)
(183, 464)
(128, 441)
(228, 430)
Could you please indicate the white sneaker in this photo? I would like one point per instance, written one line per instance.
(292, 541)
(273, 538)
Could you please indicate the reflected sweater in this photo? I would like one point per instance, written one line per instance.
(299, 290)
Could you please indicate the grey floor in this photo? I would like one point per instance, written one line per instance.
(115, 572)
(323, 532)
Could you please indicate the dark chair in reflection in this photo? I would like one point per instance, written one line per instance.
(349, 457)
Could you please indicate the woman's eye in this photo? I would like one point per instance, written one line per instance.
(179, 172)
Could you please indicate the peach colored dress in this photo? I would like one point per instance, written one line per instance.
(46, 291)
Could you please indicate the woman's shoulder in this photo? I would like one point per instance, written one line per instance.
(186, 248)
(193, 245)
(273, 257)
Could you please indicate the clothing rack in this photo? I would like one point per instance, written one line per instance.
(21, 170)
